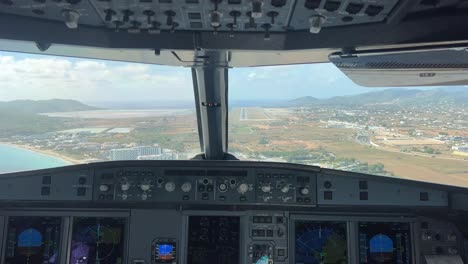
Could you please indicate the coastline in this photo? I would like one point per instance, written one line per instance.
(46, 152)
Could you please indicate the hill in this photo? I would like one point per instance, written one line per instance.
(44, 106)
(450, 95)
(21, 117)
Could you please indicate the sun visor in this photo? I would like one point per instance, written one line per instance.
(436, 66)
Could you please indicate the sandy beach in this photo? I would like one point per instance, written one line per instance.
(45, 152)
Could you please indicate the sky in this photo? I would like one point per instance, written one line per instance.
(41, 77)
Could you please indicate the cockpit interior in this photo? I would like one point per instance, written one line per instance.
(215, 208)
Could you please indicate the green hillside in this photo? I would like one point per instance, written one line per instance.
(22, 117)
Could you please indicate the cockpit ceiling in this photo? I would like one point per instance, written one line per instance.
(232, 24)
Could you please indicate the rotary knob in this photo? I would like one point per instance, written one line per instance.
(243, 188)
(170, 186)
(125, 186)
(145, 186)
(285, 188)
(266, 188)
(223, 187)
(186, 187)
(103, 187)
(304, 191)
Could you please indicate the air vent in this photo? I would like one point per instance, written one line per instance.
(234, 2)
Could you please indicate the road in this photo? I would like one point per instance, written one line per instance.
(243, 114)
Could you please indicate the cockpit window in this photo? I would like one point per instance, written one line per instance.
(57, 111)
(314, 115)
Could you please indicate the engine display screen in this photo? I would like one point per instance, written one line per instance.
(320, 242)
(164, 251)
(33, 240)
(214, 240)
(97, 240)
(384, 243)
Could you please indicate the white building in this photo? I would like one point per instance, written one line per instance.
(134, 152)
(461, 148)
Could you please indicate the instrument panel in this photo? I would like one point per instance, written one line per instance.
(224, 237)
(214, 183)
(193, 212)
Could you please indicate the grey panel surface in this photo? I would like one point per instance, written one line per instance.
(346, 190)
(59, 186)
(459, 201)
(146, 225)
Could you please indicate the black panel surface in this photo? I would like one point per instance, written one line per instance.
(213, 239)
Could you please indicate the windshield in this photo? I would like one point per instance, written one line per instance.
(57, 111)
(313, 114)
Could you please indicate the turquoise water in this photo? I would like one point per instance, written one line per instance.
(18, 159)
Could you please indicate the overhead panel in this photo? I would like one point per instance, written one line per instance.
(152, 16)
(340, 13)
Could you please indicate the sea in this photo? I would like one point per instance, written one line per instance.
(18, 159)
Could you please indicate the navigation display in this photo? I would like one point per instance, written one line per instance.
(97, 240)
(384, 243)
(33, 240)
(320, 242)
(213, 239)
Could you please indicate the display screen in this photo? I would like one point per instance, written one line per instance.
(384, 243)
(213, 239)
(33, 240)
(164, 251)
(320, 242)
(97, 240)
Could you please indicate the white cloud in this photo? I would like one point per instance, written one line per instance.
(45, 77)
